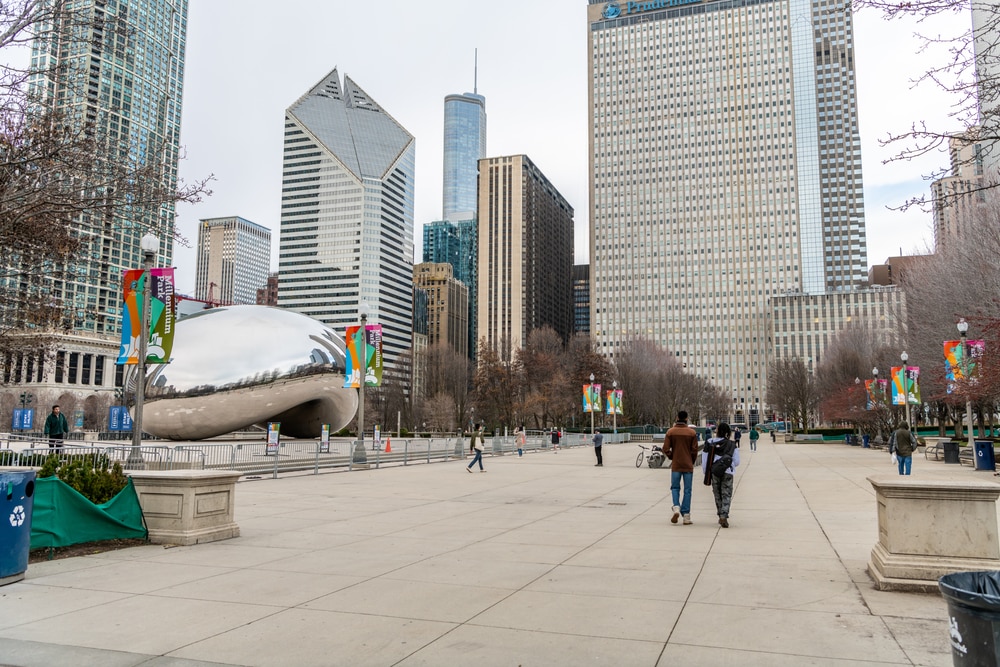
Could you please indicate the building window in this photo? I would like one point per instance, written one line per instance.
(74, 364)
(60, 365)
(99, 370)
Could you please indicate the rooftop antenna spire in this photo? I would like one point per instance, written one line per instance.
(475, 75)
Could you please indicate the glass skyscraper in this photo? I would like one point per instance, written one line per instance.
(347, 213)
(454, 242)
(116, 67)
(464, 145)
(725, 169)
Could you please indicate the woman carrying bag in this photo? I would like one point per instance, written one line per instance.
(476, 445)
(718, 461)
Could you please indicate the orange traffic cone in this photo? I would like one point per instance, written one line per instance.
(388, 445)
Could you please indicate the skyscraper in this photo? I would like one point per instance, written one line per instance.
(525, 253)
(725, 169)
(234, 256)
(455, 242)
(347, 212)
(447, 306)
(464, 145)
(116, 69)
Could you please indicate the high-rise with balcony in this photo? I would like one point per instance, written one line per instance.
(347, 213)
(114, 70)
(725, 169)
(233, 259)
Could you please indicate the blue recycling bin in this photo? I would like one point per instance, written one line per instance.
(17, 491)
(985, 456)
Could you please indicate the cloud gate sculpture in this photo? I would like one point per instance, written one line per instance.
(236, 366)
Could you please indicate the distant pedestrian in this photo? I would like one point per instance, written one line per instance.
(598, 441)
(774, 438)
(521, 440)
(720, 458)
(56, 427)
(680, 445)
(476, 446)
(737, 434)
(903, 449)
(754, 437)
(555, 440)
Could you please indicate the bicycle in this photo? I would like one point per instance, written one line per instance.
(655, 457)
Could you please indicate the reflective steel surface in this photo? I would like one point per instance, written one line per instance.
(237, 366)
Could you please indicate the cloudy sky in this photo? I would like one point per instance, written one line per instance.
(248, 61)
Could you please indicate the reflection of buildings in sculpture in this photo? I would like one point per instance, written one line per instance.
(347, 213)
(233, 259)
(237, 366)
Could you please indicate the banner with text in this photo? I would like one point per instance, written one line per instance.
(371, 343)
(614, 404)
(591, 398)
(904, 385)
(162, 312)
(956, 367)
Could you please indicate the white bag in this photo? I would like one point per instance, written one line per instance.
(895, 460)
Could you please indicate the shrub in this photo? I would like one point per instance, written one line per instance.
(89, 475)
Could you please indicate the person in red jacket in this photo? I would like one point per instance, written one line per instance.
(680, 445)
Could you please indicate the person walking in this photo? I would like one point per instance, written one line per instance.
(754, 437)
(719, 460)
(520, 438)
(774, 438)
(737, 434)
(476, 446)
(680, 445)
(56, 428)
(555, 440)
(598, 441)
(904, 446)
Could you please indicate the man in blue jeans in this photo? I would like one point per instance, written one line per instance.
(680, 445)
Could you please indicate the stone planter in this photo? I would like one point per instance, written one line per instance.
(929, 528)
(187, 507)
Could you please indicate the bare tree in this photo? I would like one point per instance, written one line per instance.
(969, 73)
(792, 389)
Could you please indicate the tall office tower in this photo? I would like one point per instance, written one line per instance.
(986, 46)
(525, 253)
(725, 169)
(117, 69)
(347, 213)
(447, 306)
(454, 242)
(959, 196)
(234, 256)
(464, 146)
(581, 299)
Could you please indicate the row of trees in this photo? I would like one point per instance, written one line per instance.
(540, 386)
(960, 281)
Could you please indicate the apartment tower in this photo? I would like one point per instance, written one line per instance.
(117, 69)
(525, 253)
(233, 259)
(725, 169)
(347, 213)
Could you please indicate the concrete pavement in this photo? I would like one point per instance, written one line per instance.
(543, 560)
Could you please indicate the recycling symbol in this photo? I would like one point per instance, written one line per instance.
(17, 516)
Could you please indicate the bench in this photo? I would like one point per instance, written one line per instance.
(808, 437)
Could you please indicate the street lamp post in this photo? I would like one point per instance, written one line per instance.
(906, 392)
(592, 403)
(963, 330)
(875, 395)
(359, 448)
(26, 399)
(150, 245)
(614, 406)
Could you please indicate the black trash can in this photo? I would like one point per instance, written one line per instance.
(17, 491)
(974, 617)
(950, 451)
(985, 456)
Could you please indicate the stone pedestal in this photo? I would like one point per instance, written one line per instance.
(929, 528)
(187, 507)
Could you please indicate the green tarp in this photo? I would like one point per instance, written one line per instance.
(61, 516)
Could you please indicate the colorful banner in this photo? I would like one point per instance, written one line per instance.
(954, 361)
(373, 356)
(614, 404)
(591, 398)
(162, 311)
(273, 437)
(876, 390)
(904, 385)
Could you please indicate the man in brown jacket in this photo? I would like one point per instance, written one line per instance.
(680, 445)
